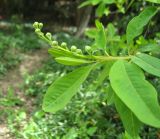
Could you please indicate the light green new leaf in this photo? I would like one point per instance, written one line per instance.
(154, 1)
(62, 90)
(89, 2)
(72, 61)
(100, 9)
(100, 39)
(91, 32)
(55, 52)
(86, 3)
(128, 82)
(131, 123)
(109, 1)
(148, 63)
(136, 25)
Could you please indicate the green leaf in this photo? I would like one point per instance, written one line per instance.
(91, 32)
(127, 136)
(128, 82)
(55, 52)
(111, 33)
(100, 36)
(86, 3)
(150, 48)
(109, 1)
(100, 10)
(103, 74)
(71, 134)
(131, 123)
(111, 30)
(91, 130)
(148, 63)
(99, 25)
(136, 25)
(72, 61)
(62, 90)
(110, 95)
(89, 2)
(154, 1)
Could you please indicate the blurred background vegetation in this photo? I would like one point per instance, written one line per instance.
(26, 69)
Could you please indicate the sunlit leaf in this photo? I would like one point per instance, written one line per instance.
(100, 36)
(129, 84)
(148, 63)
(63, 89)
(72, 61)
(100, 10)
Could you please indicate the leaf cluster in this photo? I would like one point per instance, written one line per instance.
(128, 89)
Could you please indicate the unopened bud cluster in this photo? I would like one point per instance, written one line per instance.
(38, 26)
(88, 49)
(48, 37)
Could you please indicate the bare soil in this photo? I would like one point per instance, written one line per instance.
(14, 79)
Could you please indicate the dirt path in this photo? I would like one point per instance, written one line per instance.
(14, 79)
(29, 64)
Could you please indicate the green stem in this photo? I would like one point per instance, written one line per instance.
(96, 58)
(129, 5)
(111, 58)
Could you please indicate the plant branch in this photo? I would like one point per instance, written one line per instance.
(111, 58)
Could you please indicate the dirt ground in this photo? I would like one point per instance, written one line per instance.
(14, 79)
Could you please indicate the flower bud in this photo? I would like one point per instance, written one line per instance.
(88, 48)
(73, 48)
(64, 45)
(54, 43)
(37, 30)
(35, 25)
(49, 35)
(79, 51)
(40, 25)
